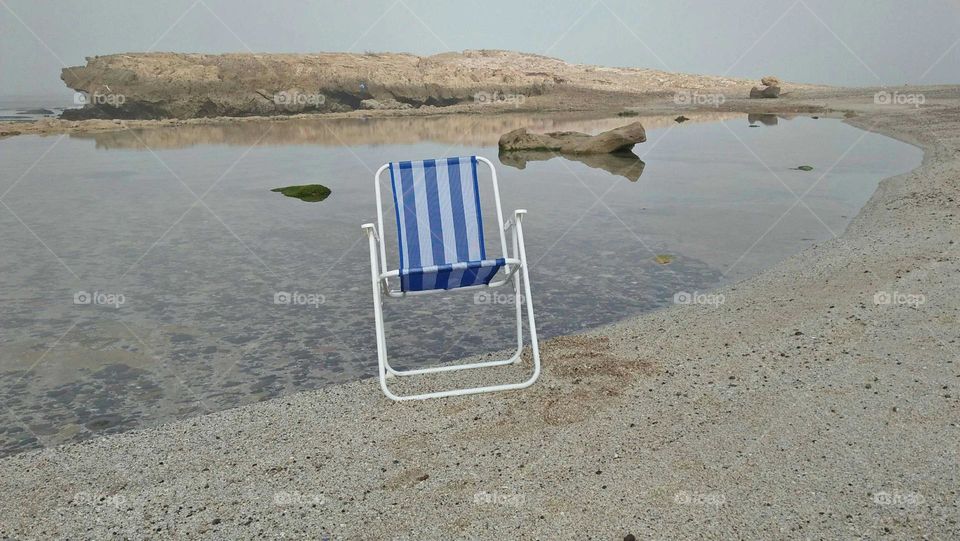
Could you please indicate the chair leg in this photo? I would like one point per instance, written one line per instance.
(485, 364)
(386, 371)
(381, 349)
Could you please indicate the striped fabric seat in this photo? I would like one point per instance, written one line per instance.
(440, 226)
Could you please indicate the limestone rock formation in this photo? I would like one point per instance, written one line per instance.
(179, 85)
(571, 142)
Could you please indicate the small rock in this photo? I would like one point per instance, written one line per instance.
(771, 92)
(681, 119)
(767, 92)
(310, 193)
(770, 80)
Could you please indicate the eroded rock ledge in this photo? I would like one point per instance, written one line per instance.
(620, 139)
(174, 85)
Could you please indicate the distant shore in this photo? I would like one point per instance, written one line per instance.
(802, 407)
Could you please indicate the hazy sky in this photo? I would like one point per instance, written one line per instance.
(842, 42)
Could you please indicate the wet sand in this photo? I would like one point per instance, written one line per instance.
(798, 408)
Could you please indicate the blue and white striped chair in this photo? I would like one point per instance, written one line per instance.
(441, 247)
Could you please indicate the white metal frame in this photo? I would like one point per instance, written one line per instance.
(514, 270)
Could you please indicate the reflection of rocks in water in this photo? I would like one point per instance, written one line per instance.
(624, 164)
(469, 130)
(765, 119)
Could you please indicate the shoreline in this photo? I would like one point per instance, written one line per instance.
(786, 409)
(580, 101)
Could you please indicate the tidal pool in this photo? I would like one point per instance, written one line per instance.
(152, 275)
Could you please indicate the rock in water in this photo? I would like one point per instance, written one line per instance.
(310, 193)
(571, 142)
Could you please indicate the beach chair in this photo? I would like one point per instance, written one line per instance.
(441, 248)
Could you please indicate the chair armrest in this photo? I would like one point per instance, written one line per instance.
(371, 229)
(517, 214)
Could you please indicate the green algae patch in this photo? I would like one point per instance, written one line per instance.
(310, 193)
(664, 259)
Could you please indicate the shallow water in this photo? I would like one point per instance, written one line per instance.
(189, 324)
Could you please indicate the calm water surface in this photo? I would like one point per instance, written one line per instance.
(190, 324)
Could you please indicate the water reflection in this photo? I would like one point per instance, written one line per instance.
(200, 329)
(623, 164)
(763, 118)
(467, 130)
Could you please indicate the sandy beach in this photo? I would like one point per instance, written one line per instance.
(803, 407)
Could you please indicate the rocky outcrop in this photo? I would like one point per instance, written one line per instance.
(770, 89)
(571, 142)
(174, 85)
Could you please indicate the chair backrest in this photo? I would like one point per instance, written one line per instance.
(438, 211)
